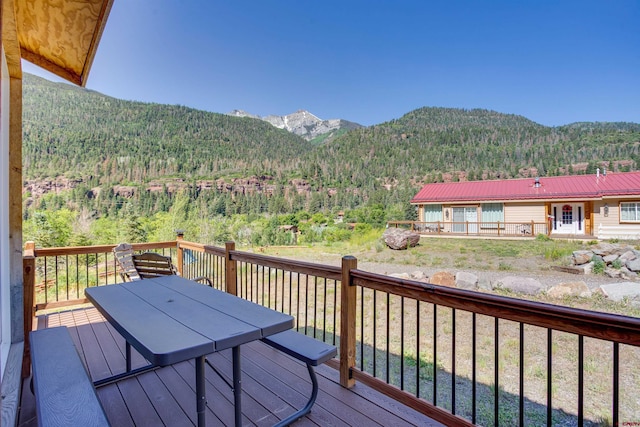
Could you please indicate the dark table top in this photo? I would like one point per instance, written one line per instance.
(172, 319)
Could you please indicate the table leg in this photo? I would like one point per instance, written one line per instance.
(237, 386)
(201, 398)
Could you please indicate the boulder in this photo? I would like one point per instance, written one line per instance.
(466, 280)
(586, 268)
(629, 275)
(612, 272)
(522, 285)
(418, 275)
(443, 278)
(484, 284)
(604, 249)
(582, 257)
(561, 290)
(633, 265)
(620, 291)
(610, 258)
(627, 256)
(397, 238)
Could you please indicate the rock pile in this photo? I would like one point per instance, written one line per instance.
(614, 260)
(526, 285)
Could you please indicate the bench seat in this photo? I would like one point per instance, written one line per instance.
(65, 395)
(308, 350)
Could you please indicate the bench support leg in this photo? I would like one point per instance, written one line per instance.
(124, 375)
(201, 397)
(307, 408)
(237, 385)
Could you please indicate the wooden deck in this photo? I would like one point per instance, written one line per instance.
(273, 384)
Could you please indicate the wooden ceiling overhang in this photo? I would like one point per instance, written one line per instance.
(61, 36)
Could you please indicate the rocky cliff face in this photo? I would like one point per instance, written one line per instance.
(302, 123)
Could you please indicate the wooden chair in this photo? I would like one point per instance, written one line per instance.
(146, 265)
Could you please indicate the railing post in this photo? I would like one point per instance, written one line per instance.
(180, 252)
(505, 229)
(28, 289)
(347, 323)
(230, 272)
(533, 228)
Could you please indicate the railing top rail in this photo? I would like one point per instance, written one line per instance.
(83, 250)
(312, 269)
(199, 247)
(605, 326)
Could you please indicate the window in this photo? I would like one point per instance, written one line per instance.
(491, 214)
(567, 214)
(432, 213)
(630, 211)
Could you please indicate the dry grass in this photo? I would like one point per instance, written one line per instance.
(404, 338)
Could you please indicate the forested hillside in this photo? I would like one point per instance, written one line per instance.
(110, 158)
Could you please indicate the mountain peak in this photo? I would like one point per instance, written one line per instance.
(302, 123)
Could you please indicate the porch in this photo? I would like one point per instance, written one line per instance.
(273, 384)
(414, 351)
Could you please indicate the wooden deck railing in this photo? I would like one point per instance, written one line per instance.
(459, 356)
(474, 228)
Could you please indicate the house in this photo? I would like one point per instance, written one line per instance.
(603, 205)
(62, 37)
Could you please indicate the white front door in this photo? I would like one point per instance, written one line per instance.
(568, 218)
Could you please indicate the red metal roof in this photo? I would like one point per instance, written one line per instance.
(553, 187)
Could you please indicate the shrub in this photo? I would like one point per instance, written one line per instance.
(599, 266)
(617, 264)
(542, 237)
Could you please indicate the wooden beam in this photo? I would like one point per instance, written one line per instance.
(10, 41)
(347, 323)
(15, 207)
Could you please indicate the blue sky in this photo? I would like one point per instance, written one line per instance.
(554, 62)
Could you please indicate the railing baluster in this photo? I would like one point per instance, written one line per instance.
(521, 406)
(315, 306)
(496, 344)
(290, 291)
(298, 303)
(473, 368)
(549, 377)
(388, 337)
(401, 343)
(57, 286)
(435, 355)
(324, 311)
(306, 304)
(335, 312)
(375, 343)
(46, 286)
(418, 358)
(580, 380)
(66, 275)
(616, 384)
(362, 328)
(453, 361)
(77, 276)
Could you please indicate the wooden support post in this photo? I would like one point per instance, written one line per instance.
(347, 323)
(231, 275)
(180, 252)
(499, 228)
(29, 286)
(533, 228)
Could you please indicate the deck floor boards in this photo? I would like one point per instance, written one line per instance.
(274, 385)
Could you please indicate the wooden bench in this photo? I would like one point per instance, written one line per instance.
(64, 393)
(308, 350)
